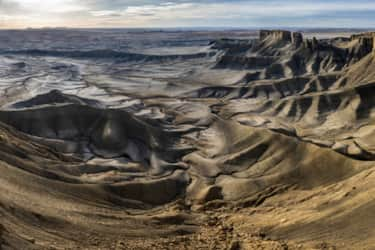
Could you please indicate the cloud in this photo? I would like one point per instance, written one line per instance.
(148, 13)
(254, 12)
(50, 6)
(105, 13)
(8, 6)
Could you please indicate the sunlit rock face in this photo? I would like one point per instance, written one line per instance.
(113, 136)
(280, 35)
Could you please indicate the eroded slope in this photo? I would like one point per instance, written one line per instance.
(263, 143)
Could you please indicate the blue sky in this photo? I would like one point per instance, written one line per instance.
(187, 13)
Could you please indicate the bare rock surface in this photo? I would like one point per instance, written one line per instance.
(218, 141)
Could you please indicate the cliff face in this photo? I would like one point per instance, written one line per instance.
(365, 45)
(281, 35)
(366, 40)
(306, 81)
(366, 34)
(297, 38)
(279, 53)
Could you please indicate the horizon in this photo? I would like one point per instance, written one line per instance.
(197, 28)
(162, 14)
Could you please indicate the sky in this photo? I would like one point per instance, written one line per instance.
(187, 13)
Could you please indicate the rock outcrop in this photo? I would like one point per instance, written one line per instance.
(279, 54)
(278, 35)
(297, 39)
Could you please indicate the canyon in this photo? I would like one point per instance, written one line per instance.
(191, 140)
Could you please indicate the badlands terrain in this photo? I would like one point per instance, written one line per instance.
(147, 139)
